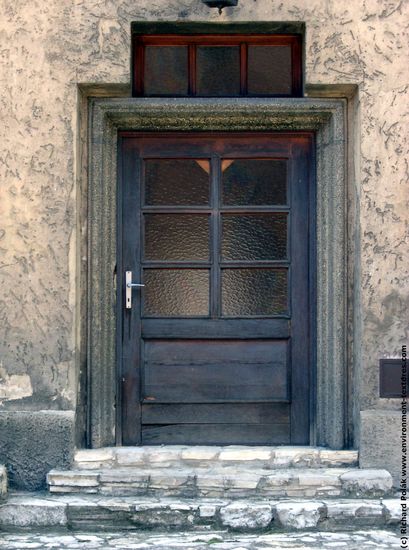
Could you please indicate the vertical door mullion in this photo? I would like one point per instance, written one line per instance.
(192, 69)
(243, 69)
(215, 238)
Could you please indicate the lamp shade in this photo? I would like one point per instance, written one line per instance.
(220, 4)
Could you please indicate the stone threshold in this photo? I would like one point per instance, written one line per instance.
(165, 456)
(224, 482)
(91, 512)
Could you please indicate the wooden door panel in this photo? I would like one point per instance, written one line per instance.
(216, 413)
(217, 434)
(216, 328)
(195, 371)
(216, 349)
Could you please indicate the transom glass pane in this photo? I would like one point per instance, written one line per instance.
(175, 292)
(252, 292)
(218, 70)
(175, 182)
(176, 237)
(254, 182)
(269, 70)
(254, 237)
(166, 70)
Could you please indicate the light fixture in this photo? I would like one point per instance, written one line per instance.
(220, 4)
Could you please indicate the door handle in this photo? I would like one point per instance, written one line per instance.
(129, 285)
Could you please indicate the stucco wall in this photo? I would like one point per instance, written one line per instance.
(49, 47)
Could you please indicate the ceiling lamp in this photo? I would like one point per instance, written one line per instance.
(220, 4)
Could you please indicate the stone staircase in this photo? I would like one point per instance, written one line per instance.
(220, 472)
(234, 488)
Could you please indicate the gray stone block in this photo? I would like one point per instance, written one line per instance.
(33, 513)
(353, 508)
(392, 510)
(73, 478)
(242, 515)
(300, 515)
(370, 483)
(34, 442)
(88, 459)
(161, 516)
(3, 482)
(380, 441)
(207, 511)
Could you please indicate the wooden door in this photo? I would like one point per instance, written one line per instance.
(216, 347)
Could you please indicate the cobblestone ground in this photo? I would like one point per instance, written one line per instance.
(359, 540)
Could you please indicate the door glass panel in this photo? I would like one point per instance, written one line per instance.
(254, 182)
(247, 292)
(254, 237)
(269, 70)
(175, 182)
(175, 292)
(218, 70)
(166, 70)
(176, 237)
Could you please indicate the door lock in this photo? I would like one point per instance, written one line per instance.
(129, 285)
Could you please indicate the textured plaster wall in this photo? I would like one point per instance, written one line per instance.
(48, 47)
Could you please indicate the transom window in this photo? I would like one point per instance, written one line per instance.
(217, 65)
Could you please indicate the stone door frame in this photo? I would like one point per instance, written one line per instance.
(327, 118)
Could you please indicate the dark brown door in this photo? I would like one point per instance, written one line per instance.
(216, 346)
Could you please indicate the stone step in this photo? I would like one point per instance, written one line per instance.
(166, 456)
(219, 482)
(96, 513)
(3, 482)
(222, 540)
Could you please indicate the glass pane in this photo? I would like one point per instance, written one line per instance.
(166, 70)
(218, 70)
(177, 182)
(269, 70)
(254, 182)
(254, 292)
(176, 292)
(176, 237)
(254, 237)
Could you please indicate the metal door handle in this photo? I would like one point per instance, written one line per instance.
(129, 285)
